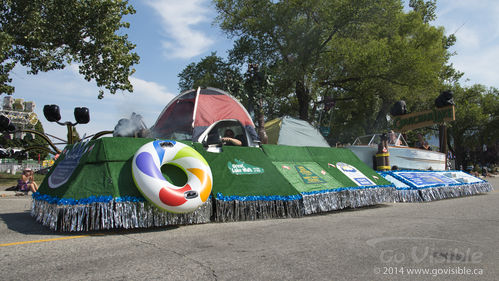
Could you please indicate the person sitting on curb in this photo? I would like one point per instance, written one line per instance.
(27, 182)
(229, 138)
(32, 182)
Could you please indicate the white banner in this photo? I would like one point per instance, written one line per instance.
(355, 175)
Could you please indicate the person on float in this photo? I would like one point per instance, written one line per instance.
(393, 139)
(229, 138)
(421, 143)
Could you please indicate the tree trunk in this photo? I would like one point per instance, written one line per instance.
(262, 134)
(460, 153)
(303, 100)
(458, 148)
(460, 157)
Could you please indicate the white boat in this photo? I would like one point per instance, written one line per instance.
(401, 155)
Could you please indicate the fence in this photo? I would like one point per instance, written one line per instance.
(12, 166)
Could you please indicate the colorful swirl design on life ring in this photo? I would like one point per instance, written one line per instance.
(146, 172)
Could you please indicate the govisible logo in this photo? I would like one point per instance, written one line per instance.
(425, 250)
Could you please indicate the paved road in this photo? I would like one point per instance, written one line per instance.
(443, 240)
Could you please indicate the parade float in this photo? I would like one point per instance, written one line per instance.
(181, 172)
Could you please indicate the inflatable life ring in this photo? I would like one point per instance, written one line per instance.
(146, 171)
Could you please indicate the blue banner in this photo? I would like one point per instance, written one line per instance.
(422, 179)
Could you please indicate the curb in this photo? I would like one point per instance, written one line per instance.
(4, 194)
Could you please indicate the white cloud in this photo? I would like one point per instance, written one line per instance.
(148, 99)
(179, 22)
(151, 90)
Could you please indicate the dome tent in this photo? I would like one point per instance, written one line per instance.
(189, 114)
(290, 131)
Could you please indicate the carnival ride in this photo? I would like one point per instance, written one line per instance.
(182, 173)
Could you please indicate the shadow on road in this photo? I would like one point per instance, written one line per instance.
(22, 222)
(365, 208)
(350, 209)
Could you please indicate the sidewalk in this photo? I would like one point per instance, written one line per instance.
(8, 193)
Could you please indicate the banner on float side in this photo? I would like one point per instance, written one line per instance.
(328, 167)
(346, 167)
(100, 167)
(243, 172)
(307, 176)
(422, 179)
(239, 167)
(425, 186)
(329, 179)
(462, 177)
(354, 174)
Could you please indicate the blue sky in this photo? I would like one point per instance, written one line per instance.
(170, 34)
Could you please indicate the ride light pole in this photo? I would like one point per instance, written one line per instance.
(52, 114)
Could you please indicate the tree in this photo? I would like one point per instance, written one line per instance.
(476, 124)
(37, 141)
(287, 36)
(47, 35)
(400, 57)
(212, 71)
(365, 53)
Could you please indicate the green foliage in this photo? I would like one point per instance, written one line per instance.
(477, 123)
(425, 9)
(399, 59)
(47, 35)
(37, 141)
(211, 71)
(365, 54)
(289, 37)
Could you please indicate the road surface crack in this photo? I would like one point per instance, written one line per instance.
(158, 247)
